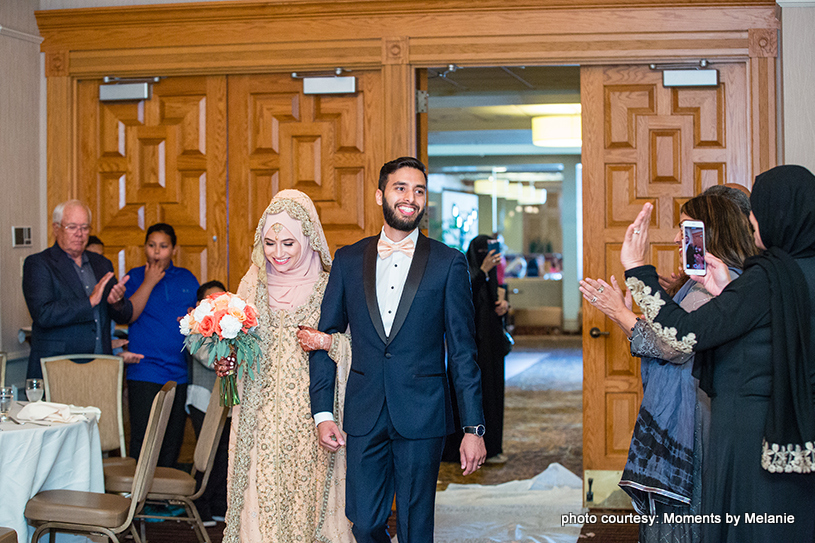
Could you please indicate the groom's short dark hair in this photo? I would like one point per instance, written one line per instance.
(399, 163)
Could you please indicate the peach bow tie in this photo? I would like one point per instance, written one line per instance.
(386, 248)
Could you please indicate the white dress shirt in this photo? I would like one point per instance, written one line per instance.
(391, 274)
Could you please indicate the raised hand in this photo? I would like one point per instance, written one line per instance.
(717, 276)
(153, 272)
(634, 252)
(118, 291)
(99, 289)
(669, 281)
(313, 340)
(490, 261)
(608, 298)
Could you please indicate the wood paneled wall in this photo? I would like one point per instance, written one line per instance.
(395, 36)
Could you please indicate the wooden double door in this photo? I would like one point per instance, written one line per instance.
(206, 154)
(642, 143)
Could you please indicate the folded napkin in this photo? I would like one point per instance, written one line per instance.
(56, 412)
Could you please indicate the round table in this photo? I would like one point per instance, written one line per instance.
(34, 457)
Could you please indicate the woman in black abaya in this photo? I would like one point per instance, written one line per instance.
(754, 345)
(489, 336)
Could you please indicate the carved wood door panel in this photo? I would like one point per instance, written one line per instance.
(327, 146)
(644, 143)
(157, 160)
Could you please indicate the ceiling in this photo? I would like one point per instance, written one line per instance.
(481, 118)
(479, 112)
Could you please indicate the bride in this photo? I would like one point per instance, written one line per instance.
(282, 485)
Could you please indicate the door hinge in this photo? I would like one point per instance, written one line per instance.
(421, 101)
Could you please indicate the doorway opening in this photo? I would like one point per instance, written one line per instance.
(488, 177)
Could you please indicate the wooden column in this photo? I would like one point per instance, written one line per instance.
(763, 47)
(60, 139)
(398, 98)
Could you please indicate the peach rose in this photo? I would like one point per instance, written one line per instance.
(251, 318)
(217, 318)
(221, 303)
(237, 313)
(207, 326)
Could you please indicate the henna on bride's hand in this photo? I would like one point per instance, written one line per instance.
(313, 340)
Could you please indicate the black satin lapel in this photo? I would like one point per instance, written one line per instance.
(415, 274)
(369, 282)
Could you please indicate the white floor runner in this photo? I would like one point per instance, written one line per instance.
(528, 511)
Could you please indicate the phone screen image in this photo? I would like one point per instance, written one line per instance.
(693, 247)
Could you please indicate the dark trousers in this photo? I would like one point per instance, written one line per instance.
(213, 500)
(382, 463)
(140, 395)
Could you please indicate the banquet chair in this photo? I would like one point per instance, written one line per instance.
(7, 535)
(97, 382)
(175, 486)
(73, 511)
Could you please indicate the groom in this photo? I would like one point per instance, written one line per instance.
(412, 308)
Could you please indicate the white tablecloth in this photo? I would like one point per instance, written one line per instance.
(35, 458)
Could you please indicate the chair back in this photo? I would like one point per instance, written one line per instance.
(97, 382)
(3, 360)
(210, 436)
(151, 446)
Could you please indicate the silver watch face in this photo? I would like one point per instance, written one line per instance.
(477, 430)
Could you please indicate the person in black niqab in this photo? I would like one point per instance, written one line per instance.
(489, 335)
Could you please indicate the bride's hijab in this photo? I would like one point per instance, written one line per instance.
(294, 211)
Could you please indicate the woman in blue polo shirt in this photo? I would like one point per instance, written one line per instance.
(160, 293)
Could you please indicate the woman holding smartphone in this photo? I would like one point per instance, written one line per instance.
(663, 473)
(756, 336)
(490, 310)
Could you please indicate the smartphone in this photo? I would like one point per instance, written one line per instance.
(693, 248)
(494, 245)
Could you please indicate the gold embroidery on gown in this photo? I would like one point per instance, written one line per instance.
(283, 487)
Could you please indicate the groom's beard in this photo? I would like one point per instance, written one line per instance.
(396, 221)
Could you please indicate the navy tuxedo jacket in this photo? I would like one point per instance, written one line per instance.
(406, 369)
(60, 309)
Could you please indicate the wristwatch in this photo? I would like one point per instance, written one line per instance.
(477, 430)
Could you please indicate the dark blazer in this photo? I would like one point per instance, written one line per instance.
(406, 368)
(60, 309)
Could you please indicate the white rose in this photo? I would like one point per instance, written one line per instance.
(203, 309)
(186, 324)
(230, 326)
(236, 302)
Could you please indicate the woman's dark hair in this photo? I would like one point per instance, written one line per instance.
(161, 227)
(93, 240)
(727, 231)
(401, 162)
(206, 286)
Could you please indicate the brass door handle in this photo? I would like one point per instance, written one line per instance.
(596, 332)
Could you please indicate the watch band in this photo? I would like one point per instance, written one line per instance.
(479, 430)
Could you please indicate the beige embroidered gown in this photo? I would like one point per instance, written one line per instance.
(283, 487)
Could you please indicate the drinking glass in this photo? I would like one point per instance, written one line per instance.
(34, 389)
(6, 397)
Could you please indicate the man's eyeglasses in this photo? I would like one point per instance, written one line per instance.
(73, 228)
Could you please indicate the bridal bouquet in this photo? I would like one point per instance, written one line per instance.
(225, 324)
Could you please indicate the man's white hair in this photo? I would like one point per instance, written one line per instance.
(59, 211)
